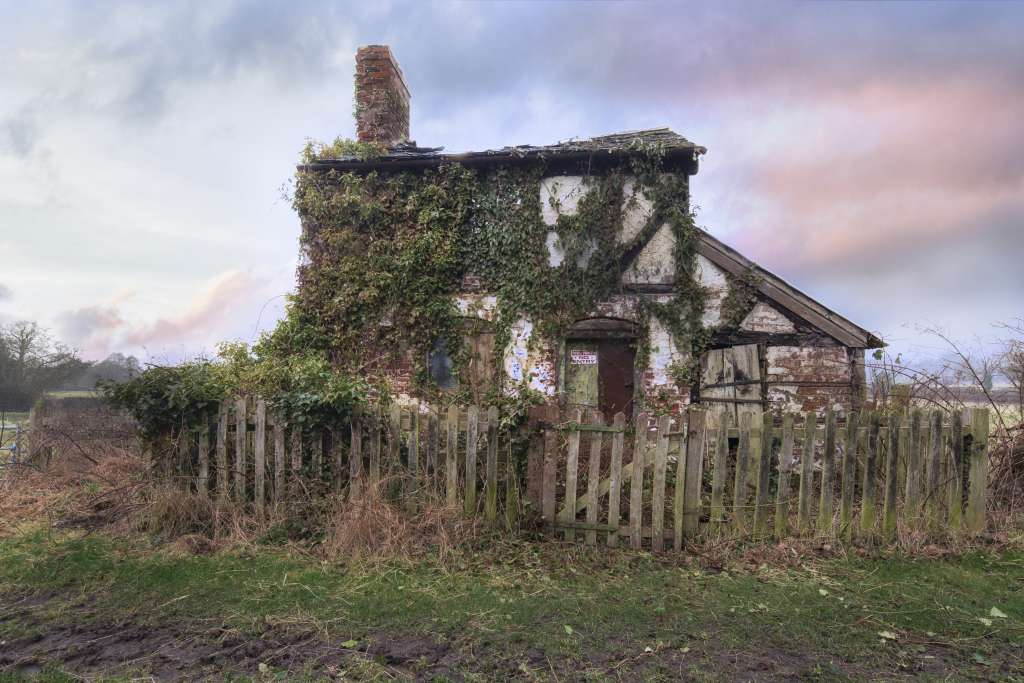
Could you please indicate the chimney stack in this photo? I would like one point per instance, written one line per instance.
(382, 99)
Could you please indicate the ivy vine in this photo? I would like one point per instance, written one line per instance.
(384, 255)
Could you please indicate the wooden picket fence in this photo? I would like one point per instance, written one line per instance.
(657, 482)
(866, 476)
(248, 455)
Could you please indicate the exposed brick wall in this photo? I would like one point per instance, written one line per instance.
(809, 378)
(382, 98)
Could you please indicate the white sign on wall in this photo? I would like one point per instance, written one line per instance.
(582, 357)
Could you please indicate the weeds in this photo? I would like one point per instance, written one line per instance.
(374, 529)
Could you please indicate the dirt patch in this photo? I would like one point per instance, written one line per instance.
(43, 631)
(46, 630)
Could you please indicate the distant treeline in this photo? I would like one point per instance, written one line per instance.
(32, 362)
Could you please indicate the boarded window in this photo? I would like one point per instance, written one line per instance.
(441, 365)
(479, 370)
(481, 363)
(731, 382)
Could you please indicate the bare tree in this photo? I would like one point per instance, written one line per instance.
(32, 361)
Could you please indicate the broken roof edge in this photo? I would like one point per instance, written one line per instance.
(778, 290)
(675, 148)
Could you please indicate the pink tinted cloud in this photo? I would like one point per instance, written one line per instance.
(218, 311)
(884, 167)
(205, 316)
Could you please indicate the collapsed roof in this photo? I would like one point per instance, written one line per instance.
(405, 155)
(608, 148)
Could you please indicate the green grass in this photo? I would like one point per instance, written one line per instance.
(73, 393)
(570, 605)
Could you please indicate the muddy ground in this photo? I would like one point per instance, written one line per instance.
(44, 632)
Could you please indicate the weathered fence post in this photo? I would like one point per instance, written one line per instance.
(317, 455)
(636, 485)
(240, 456)
(904, 437)
(375, 419)
(204, 459)
(433, 446)
(679, 491)
(279, 467)
(719, 473)
(892, 469)
(355, 455)
(184, 458)
(764, 472)
(869, 489)
(296, 465)
(451, 458)
(414, 484)
(615, 479)
(259, 455)
(785, 477)
(394, 436)
(571, 470)
(933, 502)
(658, 485)
(511, 490)
(979, 470)
(693, 451)
(806, 473)
(956, 479)
(739, 494)
(223, 481)
(912, 499)
(828, 475)
(472, 434)
(849, 477)
(491, 468)
(337, 459)
(594, 474)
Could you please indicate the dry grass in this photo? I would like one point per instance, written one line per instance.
(374, 528)
(72, 487)
(113, 489)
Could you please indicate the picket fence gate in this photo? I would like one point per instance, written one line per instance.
(655, 481)
(867, 476)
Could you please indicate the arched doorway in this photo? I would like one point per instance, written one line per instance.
(599, 365)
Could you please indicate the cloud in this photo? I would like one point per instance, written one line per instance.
(225, 307)
(94, 330)
(19, 134)
(894, 167)
(206, 316)
(5, 292)
(851, 145)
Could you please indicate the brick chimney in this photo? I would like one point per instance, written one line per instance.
(382, 99)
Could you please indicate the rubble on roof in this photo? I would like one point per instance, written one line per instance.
(612, 143)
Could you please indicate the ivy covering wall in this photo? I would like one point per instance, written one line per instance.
(385, 254)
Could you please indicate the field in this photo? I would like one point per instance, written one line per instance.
(99, 580)
(87, 604)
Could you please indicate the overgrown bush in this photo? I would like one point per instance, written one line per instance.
(301, 385)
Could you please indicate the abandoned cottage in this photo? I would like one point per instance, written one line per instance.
(573, 272)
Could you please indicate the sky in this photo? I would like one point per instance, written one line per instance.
(870, 154)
